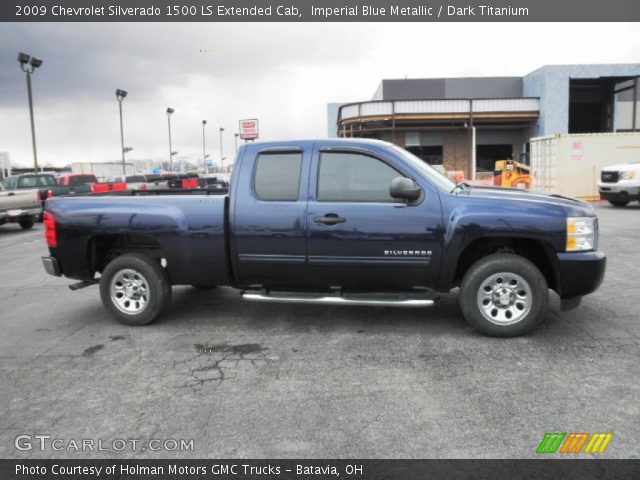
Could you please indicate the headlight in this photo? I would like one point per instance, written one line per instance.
(627, 175)
(582, 234)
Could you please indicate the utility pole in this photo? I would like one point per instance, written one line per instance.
(28, 64)
(204, 154)
(120, 94)
(169, 112)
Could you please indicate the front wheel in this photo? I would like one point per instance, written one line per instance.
(135, 289)
(619, 203)
(26, 223)
(503, 295)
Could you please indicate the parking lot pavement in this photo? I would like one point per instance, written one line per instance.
(255, 380)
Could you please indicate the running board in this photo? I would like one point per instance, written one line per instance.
(337, 300)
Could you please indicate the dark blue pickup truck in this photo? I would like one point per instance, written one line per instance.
(359, 222)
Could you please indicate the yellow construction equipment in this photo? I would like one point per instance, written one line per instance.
(511, 174)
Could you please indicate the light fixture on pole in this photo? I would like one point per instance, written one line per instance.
(221, 157)
(169, 112)
(204, 155)
(120, 94)
(28, 64)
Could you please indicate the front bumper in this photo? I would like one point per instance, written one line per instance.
(51, 266)
(580, 273)
(619, 192)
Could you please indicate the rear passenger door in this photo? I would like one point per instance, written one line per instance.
(268, 216)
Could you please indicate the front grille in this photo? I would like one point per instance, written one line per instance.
(609, 177)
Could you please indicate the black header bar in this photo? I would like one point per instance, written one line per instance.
(320, 11)
(320, 469)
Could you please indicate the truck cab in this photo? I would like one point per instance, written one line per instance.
(620, 184)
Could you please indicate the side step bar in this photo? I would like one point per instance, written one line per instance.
(337, 300)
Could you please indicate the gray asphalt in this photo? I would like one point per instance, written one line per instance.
(254, 380)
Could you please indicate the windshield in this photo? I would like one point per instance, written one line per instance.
(431, 174)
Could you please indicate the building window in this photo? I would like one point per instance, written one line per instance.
(277, 176)
(353, 177)
(487, 155)
(430, 154)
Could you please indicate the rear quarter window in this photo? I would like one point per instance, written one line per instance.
(277, 176)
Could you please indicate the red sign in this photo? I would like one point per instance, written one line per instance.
(577, 152)
(249, 129)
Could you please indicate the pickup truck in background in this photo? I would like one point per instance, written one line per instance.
(214, 181)
(338, 221)
(620, 184)
(128, 182)
(20, 206)
(50, 186)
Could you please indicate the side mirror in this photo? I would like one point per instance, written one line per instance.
(405, 189)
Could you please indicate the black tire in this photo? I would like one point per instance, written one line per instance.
(153, 277)
(619, 203)
(204, 287)
(528, 297)
(26, 223)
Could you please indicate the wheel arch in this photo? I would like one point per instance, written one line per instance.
(102, 249)
(538, 252)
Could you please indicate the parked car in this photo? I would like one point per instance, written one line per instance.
(620, 184)
(160, 181)
(216, 181)
(75, 179)
(132, 182)
(184, 180)
(19, 206)
(338, 221)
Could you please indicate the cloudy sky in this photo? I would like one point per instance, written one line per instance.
(283, 74)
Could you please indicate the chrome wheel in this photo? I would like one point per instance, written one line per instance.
(504, 298)
(129, 291)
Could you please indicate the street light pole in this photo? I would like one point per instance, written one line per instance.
(221, 157)
(120, 94)
(169, 112)
(28, 64)
(236, 135)
(204, 155)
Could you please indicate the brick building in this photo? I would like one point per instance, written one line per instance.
(469, 123)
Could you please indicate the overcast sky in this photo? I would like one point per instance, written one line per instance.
(283, 74)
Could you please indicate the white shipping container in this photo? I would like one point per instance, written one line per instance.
(570, 164)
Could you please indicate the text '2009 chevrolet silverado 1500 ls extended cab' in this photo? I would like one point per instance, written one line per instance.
(333, 222)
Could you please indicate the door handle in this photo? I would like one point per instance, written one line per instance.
(330, 219)
(10, 194)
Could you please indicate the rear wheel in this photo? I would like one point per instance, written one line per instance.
(619, 203)
(26, 223)
(135, 289)
(503, 295)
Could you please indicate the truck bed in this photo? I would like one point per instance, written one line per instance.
(188, 231)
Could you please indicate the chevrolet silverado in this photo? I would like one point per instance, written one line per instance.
(339, 221)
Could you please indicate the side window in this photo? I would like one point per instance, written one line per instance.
(277, 176)
(27, 182)
(353, 177)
